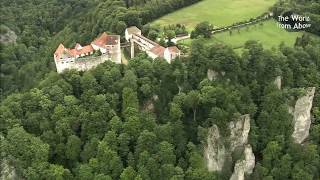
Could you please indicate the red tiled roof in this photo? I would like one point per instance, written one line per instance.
(59, 51)
(158, 50)
(112, 40)
(84, 50)
(101, 40)
(77, 46)
(173, 49)
(105, 39)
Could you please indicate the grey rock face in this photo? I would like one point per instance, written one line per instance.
(244, 166)
(302, 116)
(214, 152)
(238, 173)
(8, 37)
(239, 131)
(277, 82)
(212, 75)
(7, 172)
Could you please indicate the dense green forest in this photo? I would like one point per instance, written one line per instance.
(145, 120)
(148, 119)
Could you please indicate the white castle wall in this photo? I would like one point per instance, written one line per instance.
(82, 64)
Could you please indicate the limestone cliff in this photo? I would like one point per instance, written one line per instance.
(212, 75)
(244, 166)
(302, 116)
(215, 152)
(277, 82)
(7, 172)
(7, 36)
(239, 130)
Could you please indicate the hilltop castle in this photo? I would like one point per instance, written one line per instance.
(105, 47)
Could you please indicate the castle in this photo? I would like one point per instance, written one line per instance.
(82, 58)
(107, 47)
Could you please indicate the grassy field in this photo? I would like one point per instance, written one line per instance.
(218, 12)
(268, 34)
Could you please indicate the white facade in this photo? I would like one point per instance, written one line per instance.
(130, 31)
(81, 64)
(169, 56)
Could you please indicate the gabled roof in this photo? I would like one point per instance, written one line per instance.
(158, 50)
(173, 49)
(78, 46)
(101, 40)
(84, 50)
(72, 52)
(112, 39)
(105, 39)
(59, 51)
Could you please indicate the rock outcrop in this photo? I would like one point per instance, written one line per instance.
(149, 104)
(7, 172)
(215, 152)
(212, 75)
(239, 131)
(302, 116)
(277, 82)
(7, 36)
(244, 166)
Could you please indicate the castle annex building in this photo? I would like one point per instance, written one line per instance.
(153, 49)
(105, 47)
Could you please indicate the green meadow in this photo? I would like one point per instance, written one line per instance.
(268, 34)
(217, 12)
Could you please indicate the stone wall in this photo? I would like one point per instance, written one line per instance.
(86, 63)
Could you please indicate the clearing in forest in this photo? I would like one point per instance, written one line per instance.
(268, 34)
(218, 12)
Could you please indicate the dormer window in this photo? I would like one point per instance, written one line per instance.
(78, 46)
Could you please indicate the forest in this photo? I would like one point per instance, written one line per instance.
(148, 119)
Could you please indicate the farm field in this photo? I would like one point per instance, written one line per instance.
(217, 12)
(268, 34)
